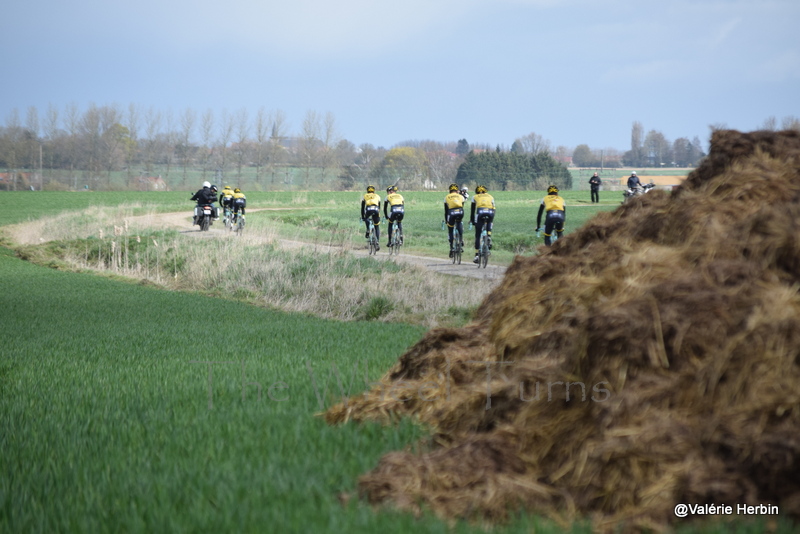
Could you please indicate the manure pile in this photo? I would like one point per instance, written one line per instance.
(649, 359)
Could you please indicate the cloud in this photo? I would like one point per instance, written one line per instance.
(316, 28)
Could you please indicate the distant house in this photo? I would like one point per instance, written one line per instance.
(150, 183)
(566, 160)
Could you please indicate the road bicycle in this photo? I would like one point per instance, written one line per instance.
(238, 223)
(484, 244)
(458, 246)
(553, 236)
(396, 241)
(372, 241)
(227, 218)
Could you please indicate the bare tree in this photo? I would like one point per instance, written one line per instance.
(534, 143)
(114, 138)
(50, 133)
(207, 131)
(169, 142)
(132, 122)
(262, 135)
(72, 119)
(310, 141)
(242, 134)
(13, 145)
(33, 144)
(225, 135)
(278, 132)
(330, 139)
(442, 165)
(152, 125)
(770, 123)
(790, 123)
(657, 148)
(89, 131)
(188, 119)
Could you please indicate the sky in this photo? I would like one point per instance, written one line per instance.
(488, 71)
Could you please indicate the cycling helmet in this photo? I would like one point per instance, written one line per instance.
(480, 189)
(389, 190)
(226, 187)
(370, 189)
(237, 190)
(552, 190)
(394, 189)
(206, 184)
(453, 187)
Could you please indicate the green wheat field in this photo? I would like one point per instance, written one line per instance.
(129, 407)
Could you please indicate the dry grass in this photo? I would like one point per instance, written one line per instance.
(650, 358)
(258, 267)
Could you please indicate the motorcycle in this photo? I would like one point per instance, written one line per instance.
(637, 191)
(204, 216)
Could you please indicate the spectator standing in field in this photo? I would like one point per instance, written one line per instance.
(594, 184)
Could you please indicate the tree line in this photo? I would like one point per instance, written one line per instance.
(111, 147)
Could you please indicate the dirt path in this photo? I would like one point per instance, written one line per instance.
(183, 223)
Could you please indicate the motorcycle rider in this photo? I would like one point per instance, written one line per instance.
(204, 196)
(553, 204)
(454, 214)
(633, 181)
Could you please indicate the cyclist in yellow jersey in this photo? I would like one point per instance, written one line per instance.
(226, 198)
(554, 206)
(239, 202)
(395, 202)
(454, 214)
(371, 207)
(482, 212)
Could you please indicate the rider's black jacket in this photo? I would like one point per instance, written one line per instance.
(204, 196)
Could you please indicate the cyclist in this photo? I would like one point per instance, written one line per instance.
(397, 203)
(204, 196)
(556, 214)
(371, 207)
(454, 214)
(239, 202)
(482, 208)
(226, 198)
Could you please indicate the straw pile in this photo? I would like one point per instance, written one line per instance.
(664, 340)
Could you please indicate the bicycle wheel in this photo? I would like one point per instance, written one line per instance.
(228, 222)
(457, 249)
(397, 241)
(240, 225)
(373, 241)
(484, 251)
